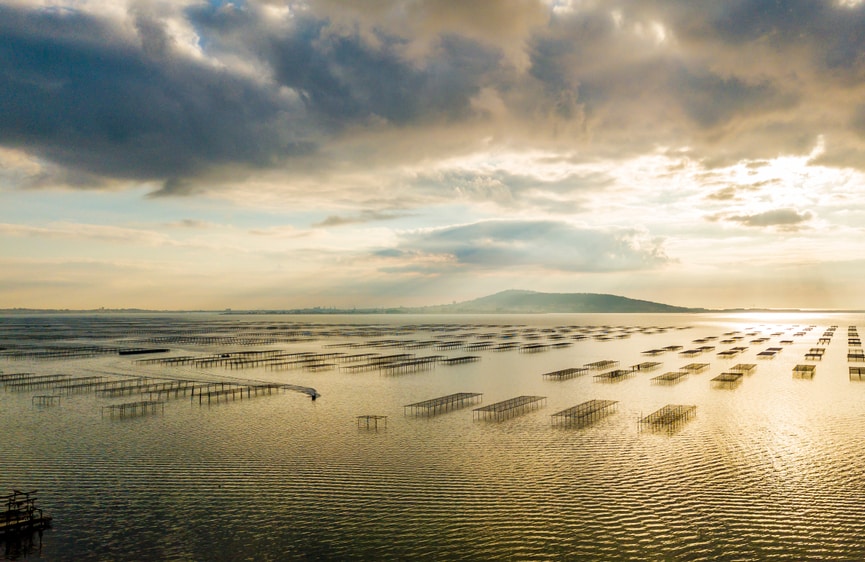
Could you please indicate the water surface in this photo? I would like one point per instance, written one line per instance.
(769, 469)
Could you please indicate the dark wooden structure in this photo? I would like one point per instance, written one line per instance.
(615, 375)
(646, 366)
(45, 400)
(369, 421)
(727, 380)
(584, 413)
(510, 407)
(139, 408)
(746, 368)
(670, 417)
(442, 404)
(670, 377)
(563, 374)
(601, 365)
(20, 514)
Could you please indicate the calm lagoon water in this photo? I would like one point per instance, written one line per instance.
(769, 469)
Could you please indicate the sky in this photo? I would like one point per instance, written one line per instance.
(180, 154)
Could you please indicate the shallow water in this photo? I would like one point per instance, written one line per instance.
(769, 469)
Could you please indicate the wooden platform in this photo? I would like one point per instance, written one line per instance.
(601, 365)
(584, 413)
(20, 515)
(804, 371)
(746, 368)
(615, 375)
(510, 407)
(727, 380)
(855, 356)
(442, 404)
(732, 352)
(369, 421)
(670, 416)
(563, 374)
(139, 408)
(45, 400)
(646, 366)
(670, 377)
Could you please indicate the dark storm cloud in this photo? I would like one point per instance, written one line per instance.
(119, 98)
(552, 245)
(836, 33)
(78, 95)
(342, 78)
(709, 99)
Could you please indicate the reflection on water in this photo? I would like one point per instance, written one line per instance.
(768, 468)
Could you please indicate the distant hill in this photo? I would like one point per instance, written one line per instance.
(515, 301)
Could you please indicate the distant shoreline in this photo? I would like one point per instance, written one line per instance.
(511, 301)
(401, 311)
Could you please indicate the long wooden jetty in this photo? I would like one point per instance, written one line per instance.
(56, 382)
(59, 352)
(671, 416)
(460, 360)
(584, 413)
(16, 381)
(534, 347)
(510, 407)
(236, 392)
(377, 362)
(20, 514)
(442, 404)
(146, 386)
(413, 365)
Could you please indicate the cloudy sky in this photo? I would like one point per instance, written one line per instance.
(278, 153)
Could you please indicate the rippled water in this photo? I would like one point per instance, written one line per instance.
(770, 469)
